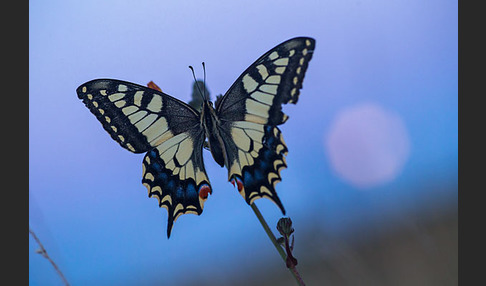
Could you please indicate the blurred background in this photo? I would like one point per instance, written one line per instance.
(372, 178)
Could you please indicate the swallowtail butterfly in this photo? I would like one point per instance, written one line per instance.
(241, 130)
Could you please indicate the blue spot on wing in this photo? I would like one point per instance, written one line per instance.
(162, 176)
(270, 141)
(191, 191)
(267, 155)
(258, 175)
(264, 164)
(247, 178)
(171, 185)
(156, 166)
(179, 193)
(153, 154)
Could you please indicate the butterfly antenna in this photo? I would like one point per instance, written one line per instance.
(204, 82)
(195, 80)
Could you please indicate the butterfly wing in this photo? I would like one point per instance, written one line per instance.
(250, 112)
(174, 173)
(141, 120)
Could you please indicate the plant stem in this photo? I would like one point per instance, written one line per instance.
(280, 250)
(43, 252)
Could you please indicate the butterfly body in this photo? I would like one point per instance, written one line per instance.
(212, 126)
(241, 130)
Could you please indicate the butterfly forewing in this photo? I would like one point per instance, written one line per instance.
(137, 117)
(272, 80)
(252, 109)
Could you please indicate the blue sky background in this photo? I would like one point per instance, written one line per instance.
(86, 200)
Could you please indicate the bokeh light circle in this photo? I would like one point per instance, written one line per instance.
(367, 145)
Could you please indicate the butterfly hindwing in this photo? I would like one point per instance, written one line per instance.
(257, 153)
(251, 111)
(143, 119)
(174, 173)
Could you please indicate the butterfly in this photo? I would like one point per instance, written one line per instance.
(241, 130)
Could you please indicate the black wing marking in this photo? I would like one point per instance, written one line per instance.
(250, 112)
(135, 116)
(142, 119)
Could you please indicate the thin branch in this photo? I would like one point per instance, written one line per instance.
(297, 275)
(42, 251)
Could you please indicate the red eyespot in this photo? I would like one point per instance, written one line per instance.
(239, 183)
(204, 191)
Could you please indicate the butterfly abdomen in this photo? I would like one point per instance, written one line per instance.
(210, 122)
